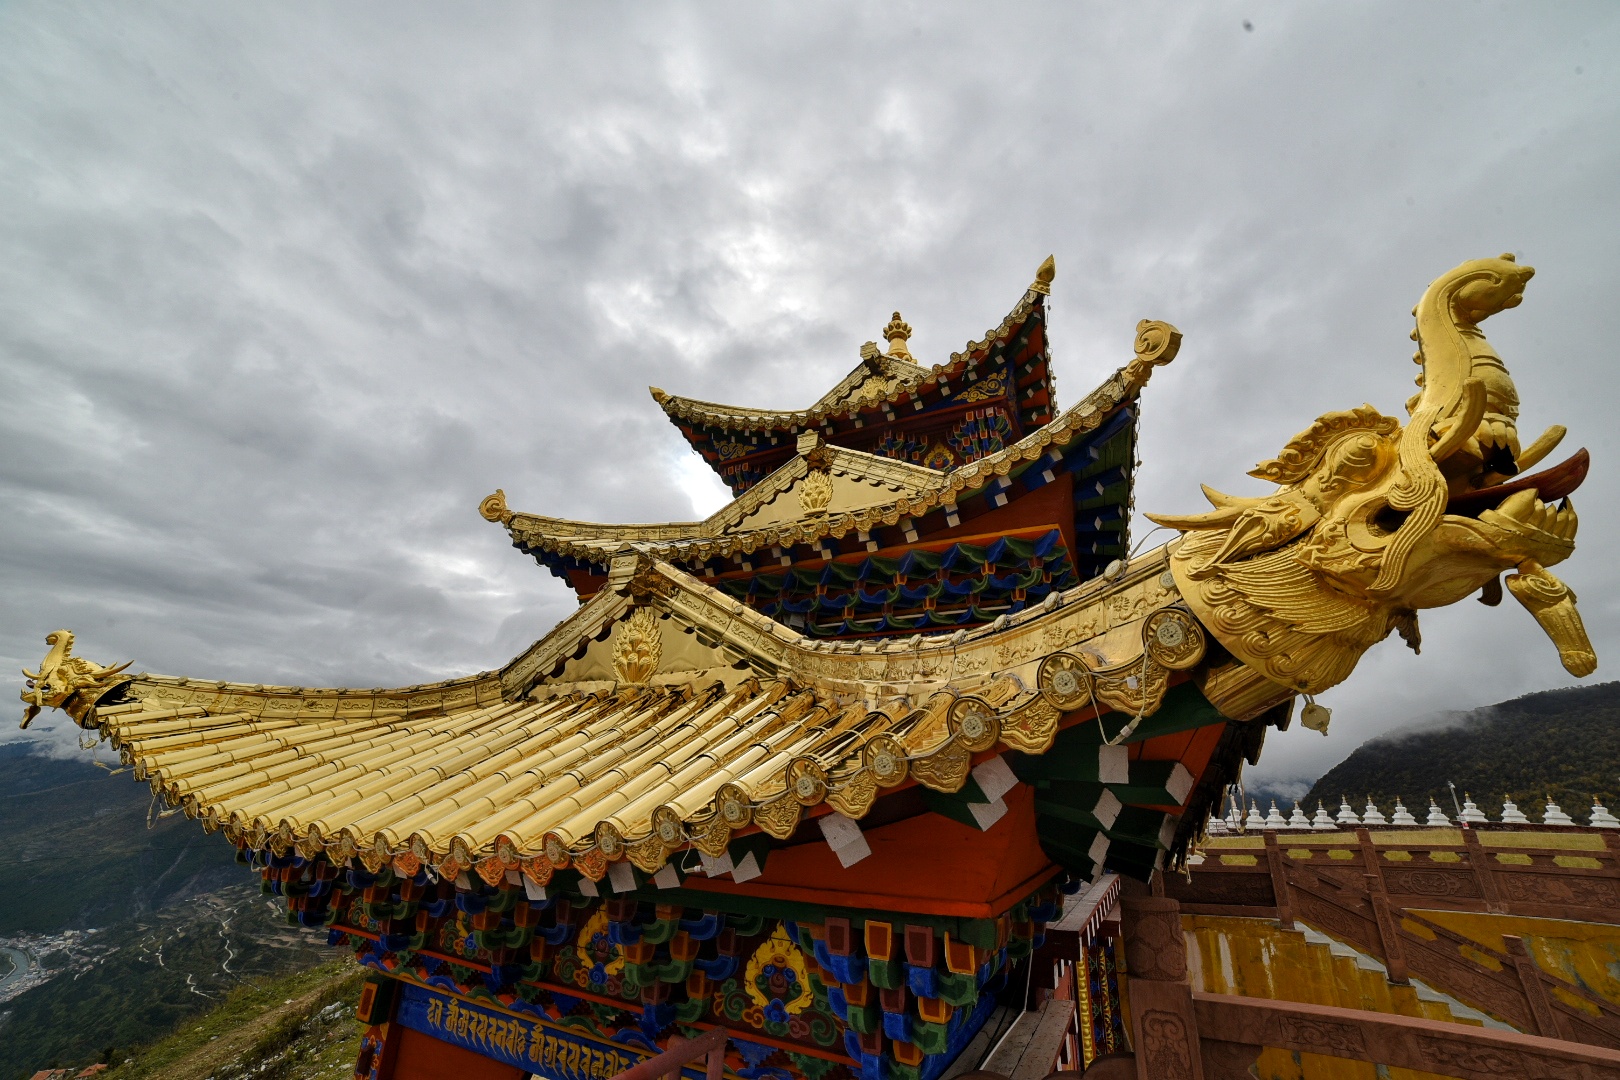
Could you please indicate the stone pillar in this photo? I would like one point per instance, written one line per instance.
(1164, 1032)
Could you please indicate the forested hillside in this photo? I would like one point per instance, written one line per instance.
(124, 923)
(77, 848)
(1565, 743)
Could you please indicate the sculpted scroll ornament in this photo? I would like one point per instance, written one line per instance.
(1374, 521)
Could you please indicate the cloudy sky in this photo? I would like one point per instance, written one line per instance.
(286, 290)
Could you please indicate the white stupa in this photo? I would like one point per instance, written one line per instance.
(1234, 816)
(1274, 820)
(1402, 815)
(1322, 820)
(1373, 815)
(1437, 816)
(1347, 816)
(1254, 821)
(1298, 820)
(1216, 827)
(1512, 815)
(1554, 814)
(1601, 818)
(1471, 814)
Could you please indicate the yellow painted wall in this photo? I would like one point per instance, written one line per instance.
(1254, 958)
(1587, 954)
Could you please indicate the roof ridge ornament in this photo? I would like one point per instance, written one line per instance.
(493, 508)
(62, 675)
(1044, 276)
(816, 488)
(897, 332)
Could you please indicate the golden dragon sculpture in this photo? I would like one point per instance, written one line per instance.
(1374, 520)
(65, 681)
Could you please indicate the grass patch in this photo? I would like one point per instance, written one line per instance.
(292, 1028)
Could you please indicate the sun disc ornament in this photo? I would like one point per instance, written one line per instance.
(974, 724)
(609, 840)
(885, 758)
(667, 827)
(733, 806)
(1173, 638)
(806, 781)
(1064, 681)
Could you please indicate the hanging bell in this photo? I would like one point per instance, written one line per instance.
(1315, 716)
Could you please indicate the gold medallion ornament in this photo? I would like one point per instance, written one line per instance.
(1173, 638)
(885, 759)
(733, 806)
(806, 781)
(1064, 681)
(973, 722)
(609, 840)
(637, 646)
(666, 825)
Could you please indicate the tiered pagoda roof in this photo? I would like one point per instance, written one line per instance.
(847, 536)
(985, 397)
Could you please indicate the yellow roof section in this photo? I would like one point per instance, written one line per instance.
(659, 715)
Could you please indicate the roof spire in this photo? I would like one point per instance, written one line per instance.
(897, 332)
(1044, 276)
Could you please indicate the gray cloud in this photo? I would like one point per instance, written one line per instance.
(284, 292)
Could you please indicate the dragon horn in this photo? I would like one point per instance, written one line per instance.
(1221, 499)
(1214, 519)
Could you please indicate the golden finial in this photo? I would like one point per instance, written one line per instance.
(1043, 277)
(897, 332)
(493, 508)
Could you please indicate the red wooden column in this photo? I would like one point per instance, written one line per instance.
(1164, 1031)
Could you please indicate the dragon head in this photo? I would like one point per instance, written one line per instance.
(65, 681)
(1374, 520)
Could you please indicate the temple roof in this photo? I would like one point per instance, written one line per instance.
(860, 482)
(869, 491)
(660, 712)
(893, 405)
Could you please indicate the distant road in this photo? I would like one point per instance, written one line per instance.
(19, 966)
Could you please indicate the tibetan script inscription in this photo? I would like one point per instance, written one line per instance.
(529, 1044)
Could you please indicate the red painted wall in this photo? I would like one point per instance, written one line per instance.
(422, 1057)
